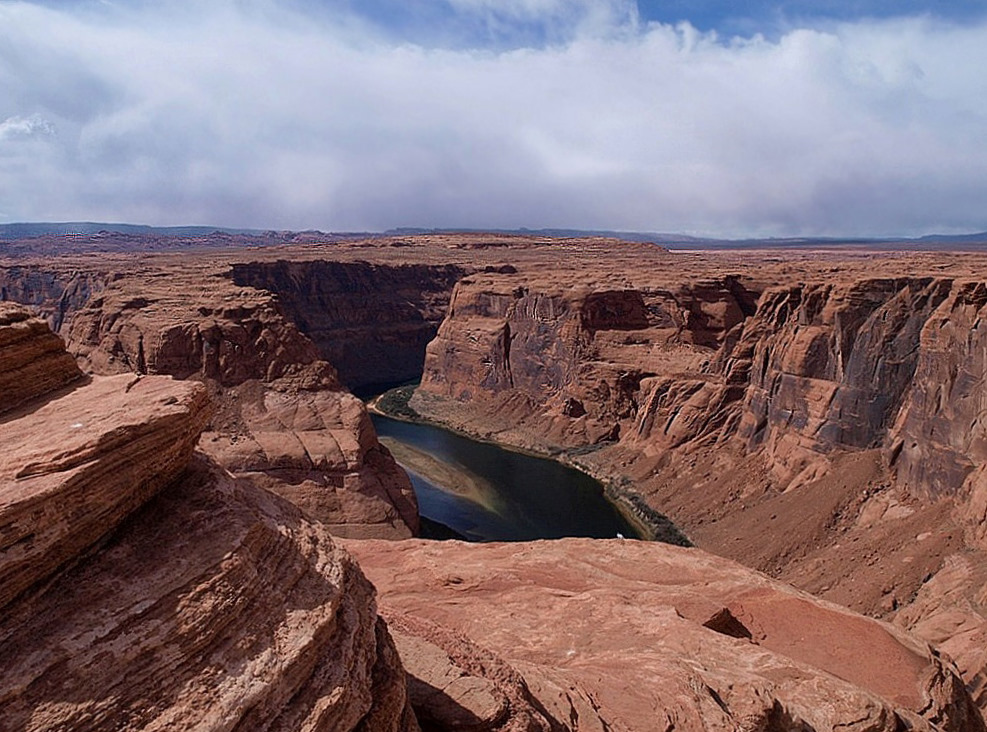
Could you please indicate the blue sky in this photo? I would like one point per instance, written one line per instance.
(715, 118)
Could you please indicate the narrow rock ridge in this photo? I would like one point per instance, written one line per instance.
(577, 634)
(145, 589)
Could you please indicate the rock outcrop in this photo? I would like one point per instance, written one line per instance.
(283, 418)
(557, 362)
(140, 590)
(34, 359)
(845, 414)
(591, 635)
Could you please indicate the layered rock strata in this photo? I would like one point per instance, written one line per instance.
(142, 591)
(370, 321)
(564, 360)
(844, 415)
(283, 418)
(591, 635)
(34, 359)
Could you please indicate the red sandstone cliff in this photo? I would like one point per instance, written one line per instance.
(143, 589)
(832, 411)
(283, 419)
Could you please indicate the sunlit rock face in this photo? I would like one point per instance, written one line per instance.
(144, 588)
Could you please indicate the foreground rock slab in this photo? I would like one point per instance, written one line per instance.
(216, 607)
(72, 470)
(142, 588)
(622, 635)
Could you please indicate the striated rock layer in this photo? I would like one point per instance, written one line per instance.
(814, 414)
(283, 418)
(140, 592)
(73, 468)
(33, 360)
(216, 606)
(592, 635)
(842, 412)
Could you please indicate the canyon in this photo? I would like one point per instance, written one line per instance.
(811, 423)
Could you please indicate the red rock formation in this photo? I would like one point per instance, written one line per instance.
(138, 592)
(283, 418)
(631, 635)
(755, 419)
(34, 359)
(826, 431)
(555, 362)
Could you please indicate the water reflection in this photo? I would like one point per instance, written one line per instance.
(487, 493)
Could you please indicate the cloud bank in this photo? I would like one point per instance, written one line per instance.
(248, 114)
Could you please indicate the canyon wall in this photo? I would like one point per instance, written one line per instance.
(144, 588)
(371, 321)
(831, 435)
(793, 373)
(35, 360)
(54, 292)
(283, 418)
(562, 363)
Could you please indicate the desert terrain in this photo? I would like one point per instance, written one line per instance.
(204, 541)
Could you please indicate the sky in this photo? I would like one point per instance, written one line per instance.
(711, 117)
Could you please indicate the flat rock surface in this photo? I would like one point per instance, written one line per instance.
(626, 635)
(76, 467)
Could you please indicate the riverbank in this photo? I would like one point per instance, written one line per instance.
(649, 524)
(450, 478)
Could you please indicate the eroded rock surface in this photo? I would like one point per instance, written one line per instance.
(283, 418)
(140, 591)
(33, 360)
(626, 635)
(813, 414)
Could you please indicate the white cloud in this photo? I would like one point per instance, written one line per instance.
(243, 114)
(25, 128)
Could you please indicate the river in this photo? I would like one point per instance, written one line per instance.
(486, 493)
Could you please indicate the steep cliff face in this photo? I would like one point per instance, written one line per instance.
(54, 292)
(832, 365)
(371, 321)
(645, 636)
(811, 369)
(830, 435)
(143, 588)
(939, 438)
(563, 362)
(283, 418)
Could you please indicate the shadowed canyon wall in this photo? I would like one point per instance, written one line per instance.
(372, 322)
